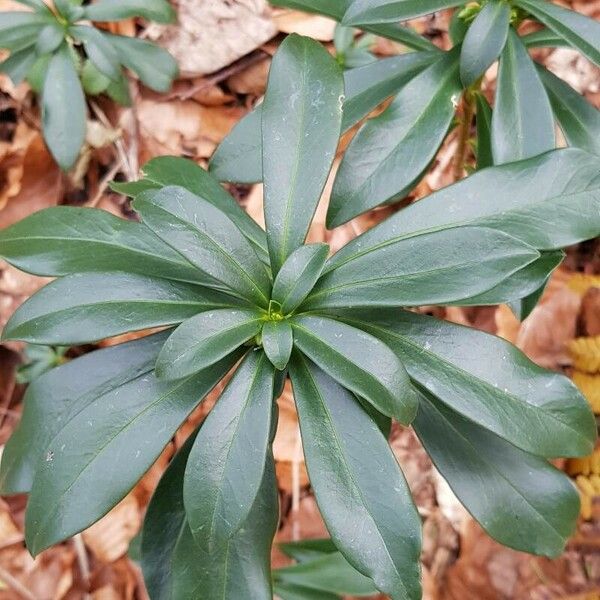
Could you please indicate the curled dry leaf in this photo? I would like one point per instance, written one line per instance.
(314, 26)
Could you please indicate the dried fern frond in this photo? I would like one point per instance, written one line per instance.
(586, 354)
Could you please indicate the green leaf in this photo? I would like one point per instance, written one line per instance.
(545, 38)
(365, 12)
(484, 41)
(92, 80)
(117, 10)
(579, 31)
(164, 525)
(327, 573)
(204, 339)
(520, 500)
(298, 275)
(66, 240)
(578, 119)
(88, 307)
(58, 396)
(308, 549)
(484, 132)
(207, 238)
(19, 30)
(155, 67)
(63, 109)
(37, 73)
(359, 362)
(351, 468)
(69, 9)
(38, 5)
(383, 162)
(550, 202)
(474, 373)
(226, 466)
(523, 307)
(301, 121)
(242, 569)
(119, 91)
(50, 38)
(413, 272)
(18, 65)
(75, 485)
(277, 340)
(239, 156)
(290, 591)
(172, 170)
(99, 50)
(522, 123)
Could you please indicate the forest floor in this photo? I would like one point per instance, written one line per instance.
(224, 49)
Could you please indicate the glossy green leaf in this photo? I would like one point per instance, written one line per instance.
(117, 10)
(75, 485)
(226, 466)
(291, 591)
(164, 526)
(474, 373)
(50, 38)
(579, 31)
(352, 468)
(298, 275)
(484, 40)
(301, 121)
(99, 50)
(63, 109)
(308, 549)
(59, 395)
(173, 170)
(207, 238)
(384, 160)
(578, 119)
(520, 500)
(484, 132)
(18, 65)
(88, 307)
(359, 362)
(155, 67)
(204, 339)
(550, 202)
(239, 156)
(545, 38)
(66, 240)
(365, 12)
(412, 271)
(328, 573)
(278, 340)
(522, 123)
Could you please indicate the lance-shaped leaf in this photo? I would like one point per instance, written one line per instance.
(56, 397)
(239, 156)
(207, 238)
(63, 108)
(20, 30)
(117, 10)
(474, 373)
(413, 271)
(38, 5)
(550, 202)
(578, 119)
(484, 41)
(75, 485)
(383, 161)
(226, 466)
(278, 340)
(291, 591)
(544, 38)
(301, 120)
(520, 500)
(164, 525)
(359, 487)
(578, 30)
(484, 132)
(18, 65)
(99, 50)
(173, 170)
(243, 568)
(309, 549)
(365, 12)
(50, 38)
(204, 339)
(298, 276)
(522, 123)
(65, 240)
(82, 308)
(336, 9)
(328, 573)
(360, 362)
(155, 67)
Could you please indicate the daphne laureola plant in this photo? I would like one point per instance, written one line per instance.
(228, 297)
